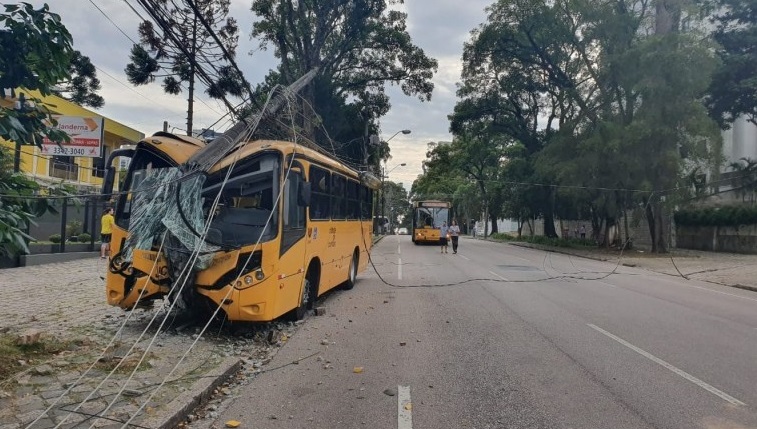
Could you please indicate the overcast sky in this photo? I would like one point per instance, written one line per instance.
(439, 27)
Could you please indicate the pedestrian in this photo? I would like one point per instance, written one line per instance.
(454, 235)
(443, 231)
(473, 228)
(583, 232)
(106, 229)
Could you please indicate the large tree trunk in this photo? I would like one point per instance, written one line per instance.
(549, 217)
(493, 218)
(656, 227)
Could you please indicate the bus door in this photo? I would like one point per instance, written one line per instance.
(293, 248)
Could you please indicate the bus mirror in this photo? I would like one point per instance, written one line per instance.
(110, 178)
(110, 171)
(303, 199)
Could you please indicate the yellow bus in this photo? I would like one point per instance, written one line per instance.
(427, 218)
(262, 233)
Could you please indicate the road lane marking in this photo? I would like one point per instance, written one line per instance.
(465, 257)
(682, 373)
(399, 269)
(499, 276)
(404, 408)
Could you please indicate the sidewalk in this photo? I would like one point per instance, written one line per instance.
(728, 269)
(64, 304)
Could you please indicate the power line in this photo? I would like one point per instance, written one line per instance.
(111, 21)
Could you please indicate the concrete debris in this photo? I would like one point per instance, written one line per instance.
(28, 337)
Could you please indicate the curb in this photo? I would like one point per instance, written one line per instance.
(549, 249)
(186, 402)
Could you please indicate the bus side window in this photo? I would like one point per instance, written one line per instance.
(353, 199)
(321, 193)
(338, 194)
(366, 197)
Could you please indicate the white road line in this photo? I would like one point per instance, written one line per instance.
(499, 276)
(465, 257)
(399, 268)
(680, 372)
(404, 408)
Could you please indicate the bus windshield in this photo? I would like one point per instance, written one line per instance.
(431, 217)
(144, 164)
(246, 211)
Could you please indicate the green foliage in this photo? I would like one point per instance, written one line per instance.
(358, 47)
(55, 238)
(82, 85)
(733, 91)
(598, 98)
(35, 53)
(723, 216)
(35, 50)
(84, 237)
(73, 228)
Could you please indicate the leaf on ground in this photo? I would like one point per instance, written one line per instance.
(357, 369)
(233, 424)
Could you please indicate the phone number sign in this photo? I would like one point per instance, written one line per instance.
(86, 137)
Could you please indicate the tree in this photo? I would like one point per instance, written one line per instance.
(194, 40)
(733, 91)
(82, 85)
(35, 50)
(572, 79)
(358, 48)
(397, 203)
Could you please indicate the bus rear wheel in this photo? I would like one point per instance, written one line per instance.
(352, 275)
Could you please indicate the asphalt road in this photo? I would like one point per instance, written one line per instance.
(544, 343)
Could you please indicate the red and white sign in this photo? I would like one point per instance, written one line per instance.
(86, 137)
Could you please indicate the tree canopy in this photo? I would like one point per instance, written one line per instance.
(601, 103)
(358, 48)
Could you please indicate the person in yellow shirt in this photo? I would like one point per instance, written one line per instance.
(106, 228)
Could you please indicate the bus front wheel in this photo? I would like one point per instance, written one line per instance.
(309, 295)
(352, 275)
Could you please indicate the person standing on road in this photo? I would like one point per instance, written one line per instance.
(583, 232)
(443, 230)
(454, 235)
(106, 228)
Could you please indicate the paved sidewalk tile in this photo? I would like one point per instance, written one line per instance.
(66, 302)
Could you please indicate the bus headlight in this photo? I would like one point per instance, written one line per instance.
(248, 280)
(259, 275)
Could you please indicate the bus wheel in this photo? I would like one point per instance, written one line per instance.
(352, 277)
(309, 295)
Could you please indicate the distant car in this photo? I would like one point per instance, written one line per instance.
(402, 231)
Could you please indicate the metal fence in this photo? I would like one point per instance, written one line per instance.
(75, 216)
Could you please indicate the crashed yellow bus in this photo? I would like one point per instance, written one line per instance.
(287, 225)
(427, 218)
(259, 228)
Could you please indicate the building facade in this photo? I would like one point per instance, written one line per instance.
(81, 163)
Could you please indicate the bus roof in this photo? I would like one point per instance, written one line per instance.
(245, 150)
